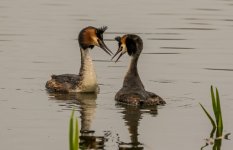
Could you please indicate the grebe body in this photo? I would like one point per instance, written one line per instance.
(133, 91)
(86, 80)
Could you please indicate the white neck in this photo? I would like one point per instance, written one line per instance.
(87, 72)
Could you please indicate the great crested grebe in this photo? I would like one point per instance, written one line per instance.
(86, 80)
(133, 91)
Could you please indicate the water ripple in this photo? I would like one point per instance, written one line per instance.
(218, 69)
(145, 33)
(55, 4)
(11, 34)
(177, 48)
(98, 60)
(86, 20)
(165, 39)
(5, 40)
(163, 53)
(187, 28)
(208, 9)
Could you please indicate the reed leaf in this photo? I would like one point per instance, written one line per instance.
(212, 132)
(219, 107)
(214, 105)
(71, 130)
(76, 136)
(220, 122)
(208, 115)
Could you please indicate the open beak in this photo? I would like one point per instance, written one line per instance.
(104, 47)
(118, 51)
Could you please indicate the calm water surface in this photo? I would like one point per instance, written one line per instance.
(187, 47)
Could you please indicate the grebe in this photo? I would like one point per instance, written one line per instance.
(133, 91)
(86, 80)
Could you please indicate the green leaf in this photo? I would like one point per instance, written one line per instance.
(219, 130)
(208, 115)
(214, 105)
(76, 136)
(71, 130)
(212, 132)
(220, 122)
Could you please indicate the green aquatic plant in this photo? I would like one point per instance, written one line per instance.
(217, 123)
(73, 132)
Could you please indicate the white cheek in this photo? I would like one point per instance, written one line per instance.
(95, 39)
(124, 49)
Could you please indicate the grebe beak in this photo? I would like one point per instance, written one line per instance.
(104, 47)
(122, 50)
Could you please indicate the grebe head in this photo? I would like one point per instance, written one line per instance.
(130, 43)
(91, 36)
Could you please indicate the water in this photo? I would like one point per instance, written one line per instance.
(187, 48)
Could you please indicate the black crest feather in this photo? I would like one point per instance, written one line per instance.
(118, 39)
(102, 29)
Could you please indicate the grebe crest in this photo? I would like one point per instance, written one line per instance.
(133, 91)
(86, 80)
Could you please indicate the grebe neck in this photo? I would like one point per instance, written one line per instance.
(132, 78)
(87, 71)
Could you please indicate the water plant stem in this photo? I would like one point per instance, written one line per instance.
(73, 132)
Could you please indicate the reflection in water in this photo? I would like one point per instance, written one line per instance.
(86, 102)
(215, 141)
(132, 115)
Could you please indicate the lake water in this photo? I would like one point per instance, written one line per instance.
(188, 46)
